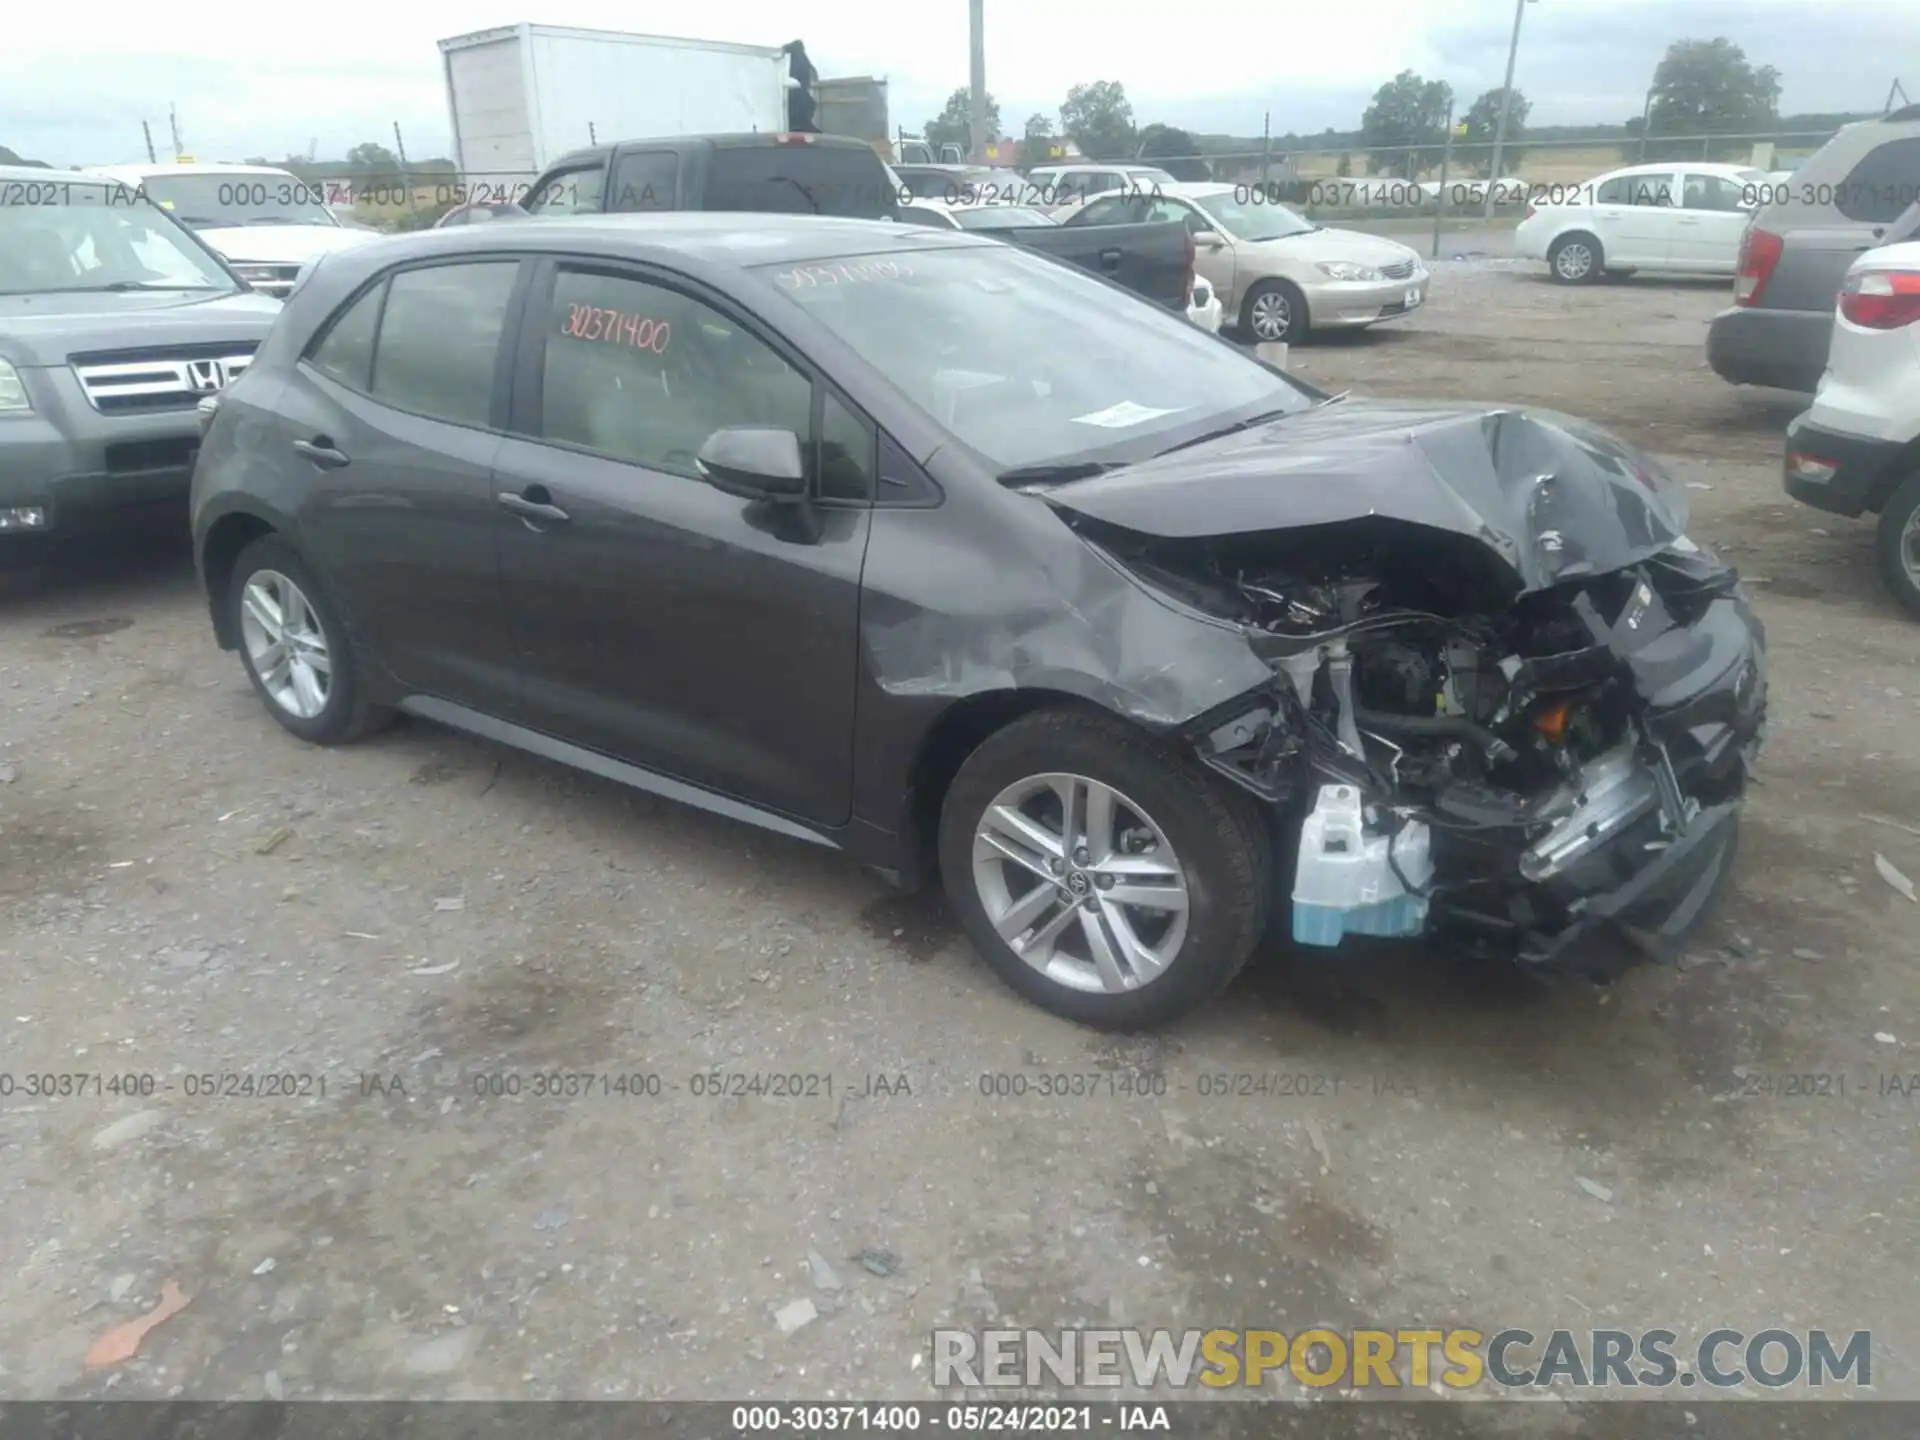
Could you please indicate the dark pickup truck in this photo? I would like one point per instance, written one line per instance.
(806, 174)
(797, 174)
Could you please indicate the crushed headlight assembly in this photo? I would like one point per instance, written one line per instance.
(1346, 270)
(13, 392)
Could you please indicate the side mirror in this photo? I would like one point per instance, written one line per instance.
(754, 462)
(1208, 240)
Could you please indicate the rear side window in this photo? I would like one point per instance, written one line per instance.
(799, 180)
(1878, 190)
(1636, 190)
(1113, 210)
(645, 180)
(439, 339)
(345, 352)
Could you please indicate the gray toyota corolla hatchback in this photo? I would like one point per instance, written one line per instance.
(917, 546)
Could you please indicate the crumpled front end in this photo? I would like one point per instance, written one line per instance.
(1460, 755)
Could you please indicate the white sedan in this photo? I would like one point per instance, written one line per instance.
(1682, 216)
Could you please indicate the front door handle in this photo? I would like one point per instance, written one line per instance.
(532, 510)
(1110, 259)
(320, 450)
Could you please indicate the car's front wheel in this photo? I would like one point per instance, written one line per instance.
(297, 653)
(1576, 260)
(1099, 872)
(1274, 310)
(1897, 545)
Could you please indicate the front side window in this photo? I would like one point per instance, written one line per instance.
(579, 191)
(638, 372)
(1714, 192)
(62, 237)
(1028, 362)
(440, 338)
(1111, 210)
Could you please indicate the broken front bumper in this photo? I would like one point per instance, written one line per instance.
(1642, 842)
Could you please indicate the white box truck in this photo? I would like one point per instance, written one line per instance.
(520, 96)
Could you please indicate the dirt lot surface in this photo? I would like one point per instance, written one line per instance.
(425, 925)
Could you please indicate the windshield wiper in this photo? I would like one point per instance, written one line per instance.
(1265, 417)
(117, 285)
(789, 180)
(1057, 474)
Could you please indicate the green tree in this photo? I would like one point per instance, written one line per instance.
(369, 161)
(1098, 119)
(1407, 113)
(1483, 123)
(1706, 87)
(952, 126)
(1176, 150)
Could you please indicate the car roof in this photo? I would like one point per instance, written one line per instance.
(30, 173)
(734, 239)
(153, 171)
(731, 140)
(1667, 167)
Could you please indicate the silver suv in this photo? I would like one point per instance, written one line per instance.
(1807, 228)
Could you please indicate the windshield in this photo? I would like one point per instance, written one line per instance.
(72, 237)
(1253, 218)
(1000, 217)
(267, 198)
(1030, 363)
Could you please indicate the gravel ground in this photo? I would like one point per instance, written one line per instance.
(421, 921)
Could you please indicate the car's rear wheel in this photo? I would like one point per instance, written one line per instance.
(1099, 872)
(1275, 310)
(297, 653)
(1897, 545)
(1576, 259)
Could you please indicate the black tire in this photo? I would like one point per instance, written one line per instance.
(1299, 323)
(1564, 259)
(347, 715)
(1897, 556)
(1221, 840)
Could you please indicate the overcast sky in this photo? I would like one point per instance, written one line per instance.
(75, 84)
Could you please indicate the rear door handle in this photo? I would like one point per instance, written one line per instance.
(320, 450)
(530, 509)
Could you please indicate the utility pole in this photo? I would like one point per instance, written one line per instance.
(1506, 102)
(1266, 150)
(977, 139)
(1646, 119)
(1440, 200)
(173, 122)
(400, 149)
(147, 130)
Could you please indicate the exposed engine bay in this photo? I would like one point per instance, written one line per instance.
(1454, 752)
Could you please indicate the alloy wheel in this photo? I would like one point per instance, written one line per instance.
(1272, 315)
(1910, 546)
(1081, 883)
(1574, 261)
(285, 644)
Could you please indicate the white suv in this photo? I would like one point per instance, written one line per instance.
(1858, 448)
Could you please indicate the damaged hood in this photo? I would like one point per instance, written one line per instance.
(1554, 497)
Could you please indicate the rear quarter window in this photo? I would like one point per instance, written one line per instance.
(1878, 190)
(799, 180)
